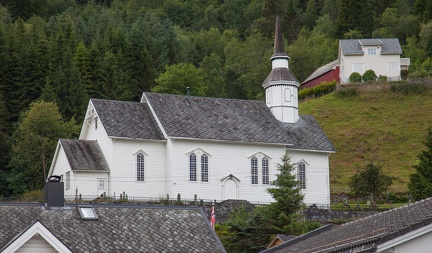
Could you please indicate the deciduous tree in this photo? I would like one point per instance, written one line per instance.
(33, 145)
(370, 181)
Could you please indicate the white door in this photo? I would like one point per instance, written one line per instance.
(101, 186)
(230, 188)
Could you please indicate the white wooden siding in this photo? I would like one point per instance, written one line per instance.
(378, 63)
(226, 159)
(61, 167)
(123, 173)
(86, 182)
(37, 244)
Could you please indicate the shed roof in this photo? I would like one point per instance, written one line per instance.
(322, 70)
(84, 155)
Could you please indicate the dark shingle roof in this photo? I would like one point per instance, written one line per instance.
(84, 155)
(307, 134)
(377, 229)
(119, 228)
(322, 70)
(353, 46)
(277, 75)
(233, 120)
(216, 119)
(127, 119)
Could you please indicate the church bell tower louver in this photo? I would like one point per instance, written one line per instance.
(281, 85)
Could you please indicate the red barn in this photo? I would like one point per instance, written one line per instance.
(326, 73)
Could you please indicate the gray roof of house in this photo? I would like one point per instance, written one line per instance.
(353, 46)
(84, 155)
(127, 119)
(322, 70)
(119, 228)
(233, 120)
(364, 233)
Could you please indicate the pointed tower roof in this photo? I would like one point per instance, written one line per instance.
(280, 73)
(279, 49)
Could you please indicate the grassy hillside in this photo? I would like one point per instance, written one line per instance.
(383, 127)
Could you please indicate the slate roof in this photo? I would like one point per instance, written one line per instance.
(353, 46)
(127, 119)
(233, 120)
(322, 70)
(84, 155)
(364, 233)
(119, 228)
(277, 75)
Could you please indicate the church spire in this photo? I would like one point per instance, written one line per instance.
(281, 85)
(279, 48)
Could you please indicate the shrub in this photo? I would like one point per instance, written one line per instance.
(382, 79)
(348, 92)
(369, 76)
(355, 77)
(317, 91)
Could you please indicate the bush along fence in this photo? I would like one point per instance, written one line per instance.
(317, 91)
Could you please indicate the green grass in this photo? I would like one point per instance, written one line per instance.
(382, 127)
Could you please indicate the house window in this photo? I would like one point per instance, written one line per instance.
(254, 170)
(96, 122)
(140, 167)
(392, 66)
(372, 51)
(265, 171)
(67, 180)
(204, 168)
(192, 168)
(357, 67)
(302, 175)
(287, 95)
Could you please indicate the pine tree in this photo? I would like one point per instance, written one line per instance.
(420, 183)
(288, 196)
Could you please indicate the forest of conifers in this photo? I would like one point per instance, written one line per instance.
(66, 51)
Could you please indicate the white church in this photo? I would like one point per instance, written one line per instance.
(213, 148)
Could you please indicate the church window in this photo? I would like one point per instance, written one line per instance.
(96, 122)
(302, 175)
(287, 95)
(204, 168)
(140, 167)
(254, 170)
(192, 168)
(268, 97)
(67, 180)
(265, 171)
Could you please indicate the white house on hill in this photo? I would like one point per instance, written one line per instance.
(212, 147)
(380, 55)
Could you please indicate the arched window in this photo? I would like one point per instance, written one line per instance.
(302, 175)
(140, 167)
(265, 171)
(254, 170)
(192, 168)
(287, 95)
(204, 168)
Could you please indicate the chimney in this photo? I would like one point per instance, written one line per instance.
(188, 91)
(54, 192)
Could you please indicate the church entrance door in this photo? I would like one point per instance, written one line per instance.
(230, 189)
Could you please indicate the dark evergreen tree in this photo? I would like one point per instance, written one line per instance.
(288, 197)
(420, 182)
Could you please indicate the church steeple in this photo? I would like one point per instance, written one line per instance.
(281, 85)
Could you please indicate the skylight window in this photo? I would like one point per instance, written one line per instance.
(87, 213)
